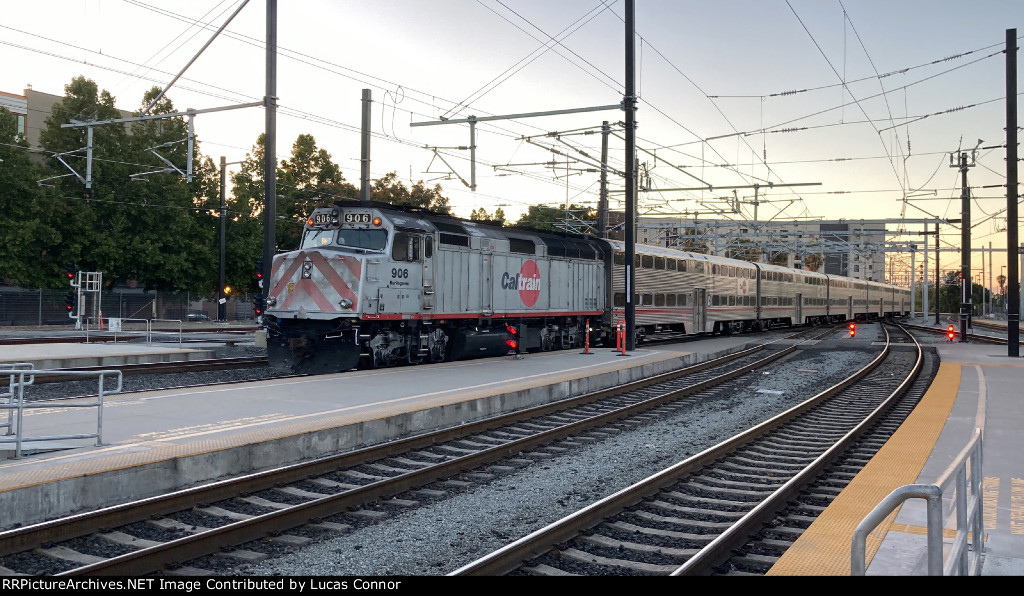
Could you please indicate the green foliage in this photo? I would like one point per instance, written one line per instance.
(481, 215)
(547, 218)
(28, 238)
(155, 228)
(389, 189)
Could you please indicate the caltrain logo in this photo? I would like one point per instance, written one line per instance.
(527, 281)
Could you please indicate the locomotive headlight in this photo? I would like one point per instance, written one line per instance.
(271, 301)
(307, 269)
(345, 303)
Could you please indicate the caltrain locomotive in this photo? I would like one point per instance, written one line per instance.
(377, 285)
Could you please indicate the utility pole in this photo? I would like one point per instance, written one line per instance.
(1013, 308)
(924, 274)
(222, 294)
(966, 280)
(629, 105)
(602, 204)
(938, 286)
(270, 152)
(364, 177)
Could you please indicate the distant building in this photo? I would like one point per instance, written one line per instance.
(31, 111)
(852, 249)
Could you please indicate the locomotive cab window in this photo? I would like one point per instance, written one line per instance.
(353, 238)
(316, 238)
(406, 247)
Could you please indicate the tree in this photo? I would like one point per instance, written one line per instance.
(28, 237)
(309, 179)
(481, 215)
(745, 250)
(547, 218)
(389, 189)
(813, 262)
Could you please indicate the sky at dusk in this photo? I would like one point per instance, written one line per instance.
(834, 109)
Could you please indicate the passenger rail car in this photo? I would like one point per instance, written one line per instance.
(375, 285)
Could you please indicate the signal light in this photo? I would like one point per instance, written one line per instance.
(853, 329)
(950, 332)
(70, 270)
(70, 301)
(258, 305)
(513, 341)
(258, 272)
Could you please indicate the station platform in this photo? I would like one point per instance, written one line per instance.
(56, 356)
(158, 441)
(155, 442)
(978, 386)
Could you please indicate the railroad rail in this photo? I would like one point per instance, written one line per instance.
(177, 366)
(175, 529)
(688, 519)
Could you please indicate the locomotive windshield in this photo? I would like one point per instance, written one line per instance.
(347, 238)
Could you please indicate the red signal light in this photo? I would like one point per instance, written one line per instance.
(950, 332)
(513, 341)
(853, 329)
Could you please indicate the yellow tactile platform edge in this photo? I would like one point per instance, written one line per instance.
(824, 548)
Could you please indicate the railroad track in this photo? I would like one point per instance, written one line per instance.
(127, 336)
(283, 505)
(151, 368)
(689, 519)
(971, 337)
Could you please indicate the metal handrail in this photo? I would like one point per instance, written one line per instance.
(966, 552)
(10, 393)
(151, 332)
(18, 405)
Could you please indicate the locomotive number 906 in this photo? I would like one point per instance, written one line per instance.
(357, 218)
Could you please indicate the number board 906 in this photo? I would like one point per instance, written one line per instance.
(357, 218)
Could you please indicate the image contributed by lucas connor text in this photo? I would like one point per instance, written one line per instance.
(290, 585)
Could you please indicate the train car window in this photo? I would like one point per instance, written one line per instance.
(453, 240)
(636, 261)
(365, 239)
(636, 299)
(620, 299)
(659, 262)
(619, 258)
(670, 299)
(698, 267)
(714, 270)
(522, 246)
(732, 300)
(670, 264)
(659, 300)
(647, 262)
(682, 265)
(428, 246)
(714, 300)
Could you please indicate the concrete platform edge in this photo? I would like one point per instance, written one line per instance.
(126, 474)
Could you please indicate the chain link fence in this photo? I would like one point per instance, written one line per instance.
(21, 307)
